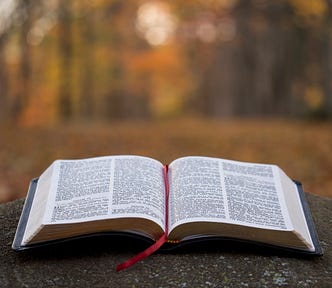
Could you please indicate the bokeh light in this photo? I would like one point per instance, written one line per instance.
(155, 22)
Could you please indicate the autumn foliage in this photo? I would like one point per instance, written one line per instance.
(162, 78)
(65, 61)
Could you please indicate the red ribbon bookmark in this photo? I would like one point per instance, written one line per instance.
(147, 252)
(155, 246)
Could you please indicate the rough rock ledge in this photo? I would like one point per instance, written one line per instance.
(91, 262)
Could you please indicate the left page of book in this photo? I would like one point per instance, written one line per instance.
(95, 189)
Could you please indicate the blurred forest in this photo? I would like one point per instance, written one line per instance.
(248, 80)
(111, 59)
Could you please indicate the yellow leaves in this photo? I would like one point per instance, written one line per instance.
(314, 97)
(309, 8)
(166, 102)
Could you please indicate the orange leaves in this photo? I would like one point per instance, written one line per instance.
(161, 60)
(167, 80)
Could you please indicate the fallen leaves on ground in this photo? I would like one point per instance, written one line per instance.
(302, 149)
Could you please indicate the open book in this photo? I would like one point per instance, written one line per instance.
(191, 198)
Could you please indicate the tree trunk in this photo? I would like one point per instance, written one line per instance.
(87, 74)
(326, 63)
(65, 62)
(21, 99)
(3, 81)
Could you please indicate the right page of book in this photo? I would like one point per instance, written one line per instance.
(204, 189)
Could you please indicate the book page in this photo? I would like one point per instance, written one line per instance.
(217, 190)
(105, 188)
(254, 194)
(138, 189)
(39, 205)
(295, 208)
(195, 191)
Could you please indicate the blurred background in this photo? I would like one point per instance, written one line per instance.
(248, 80)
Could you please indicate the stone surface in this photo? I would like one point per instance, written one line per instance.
(92, 262)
